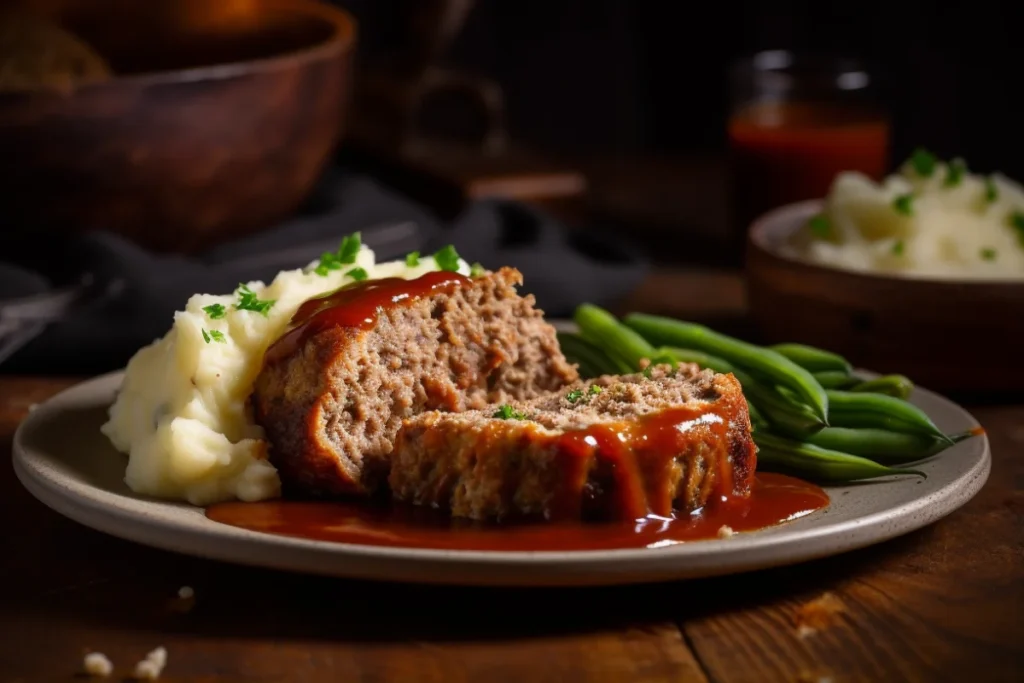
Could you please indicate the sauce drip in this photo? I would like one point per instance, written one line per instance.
(775, 499)
(640, 466)
(357, 305)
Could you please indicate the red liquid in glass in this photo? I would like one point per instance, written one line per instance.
(786, 152)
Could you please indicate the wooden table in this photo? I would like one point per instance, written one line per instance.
(945, 603)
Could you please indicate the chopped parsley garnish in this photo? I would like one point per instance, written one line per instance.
(346, 254)
(476, 270)
(447, 258)
(349, 248)
(897, 248)
(923, 162)
(249, 301)
(955, 171)
(1017, 223)
(904, 204)
(506, 412)
(412, 259)
(988, 254)
(213, 335)
(577, 395)
(648, 370)
(358, 274)
(215, 311)
(820, 226)
(328, 262)
(991, 191)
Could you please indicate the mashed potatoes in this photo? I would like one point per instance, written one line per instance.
(930, 219)
(182, 414)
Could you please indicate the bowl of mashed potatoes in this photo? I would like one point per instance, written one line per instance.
(920, 273)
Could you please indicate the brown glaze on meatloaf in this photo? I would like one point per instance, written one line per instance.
(331, 407)
(643, 445)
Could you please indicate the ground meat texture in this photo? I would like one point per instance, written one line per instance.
(643, 445)
(332, 409)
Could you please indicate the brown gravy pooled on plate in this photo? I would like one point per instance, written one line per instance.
(775, 499)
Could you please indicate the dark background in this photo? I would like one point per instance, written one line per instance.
(611, 77)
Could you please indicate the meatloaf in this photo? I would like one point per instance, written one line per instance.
(607, 449)
(332, 406)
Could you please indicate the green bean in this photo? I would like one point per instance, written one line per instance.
(662, 358)
(820, 464)
(601, 327)
(576, 350)
(849, 409)
(833, 379)
(813, 359)
(782, 371)
(881, 445)
(898, 386)
(793, 419)
(705, 360)
(590, 356)
(606, 363)
(586, 369)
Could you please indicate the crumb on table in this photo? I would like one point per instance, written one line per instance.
(97, 664)
(817, 614)
(149, 669)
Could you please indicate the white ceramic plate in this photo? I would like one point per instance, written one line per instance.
(63, 460)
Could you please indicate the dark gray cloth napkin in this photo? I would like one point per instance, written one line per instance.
(561, 268)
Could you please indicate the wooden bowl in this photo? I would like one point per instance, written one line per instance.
(957, 336)
(219, 120)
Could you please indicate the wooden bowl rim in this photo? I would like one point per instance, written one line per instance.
(773, 222)
(341, 39)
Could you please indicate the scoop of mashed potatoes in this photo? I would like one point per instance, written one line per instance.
(930, 219)
(182, 414)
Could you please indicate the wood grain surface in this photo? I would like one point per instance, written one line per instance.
(945, 603)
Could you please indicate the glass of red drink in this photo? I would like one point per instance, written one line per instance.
(797, 121)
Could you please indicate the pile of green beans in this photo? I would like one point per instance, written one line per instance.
(593, 360)
(776, 367)
(811, 414)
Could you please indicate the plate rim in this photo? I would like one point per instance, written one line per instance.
(138, 519)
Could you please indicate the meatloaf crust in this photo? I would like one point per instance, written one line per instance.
(332, 408)
(638, 445)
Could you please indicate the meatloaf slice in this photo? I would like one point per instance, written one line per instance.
(332, 407)
(610, 448)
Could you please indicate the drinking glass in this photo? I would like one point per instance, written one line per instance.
(796, 121)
